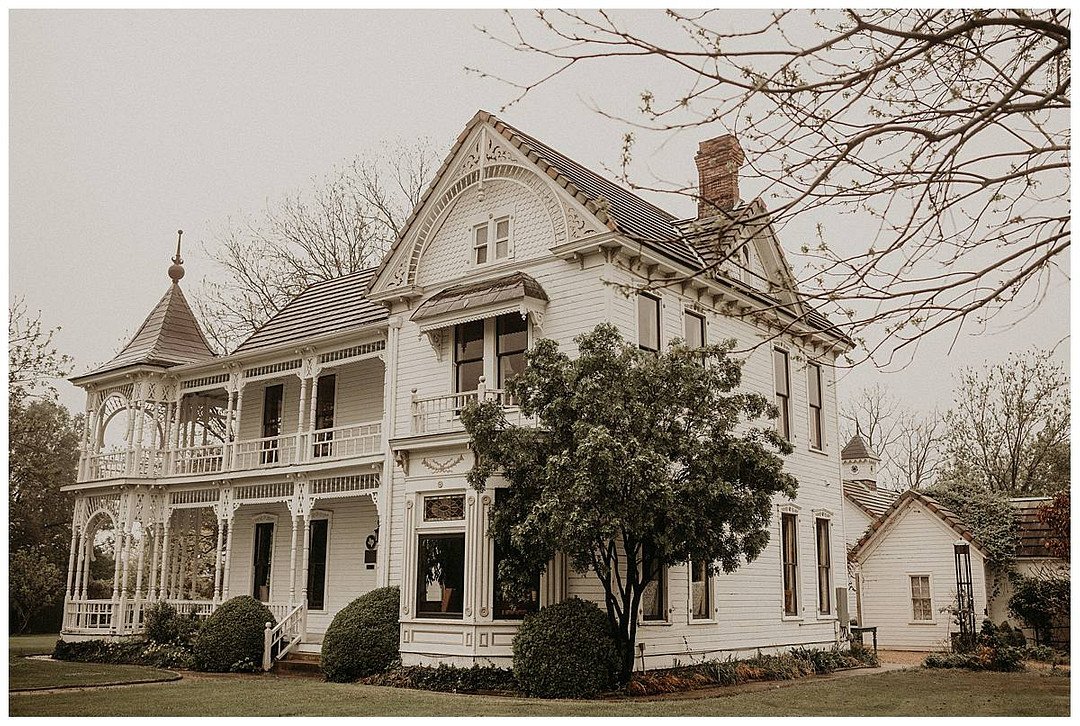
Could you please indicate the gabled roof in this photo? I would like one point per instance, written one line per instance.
(902, 503)
(1032, 531)
(169, 336)
(328, 306)
(857, 449)
(868, 498)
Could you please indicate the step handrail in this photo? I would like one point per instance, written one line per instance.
(289, 632)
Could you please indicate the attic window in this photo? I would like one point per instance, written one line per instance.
(744, 262)
(491, 240)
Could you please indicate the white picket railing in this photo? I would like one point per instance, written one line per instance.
(104, 616)
(279, 639)
(342, 442)
(109, 464)
(265, 452)
(438, 414)
(89, 616)
(198, 459)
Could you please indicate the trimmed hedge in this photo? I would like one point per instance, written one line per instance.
(231, 640)
(164, 625)
(448, 679)
(127, 652)
(566, 650)
(363, 637)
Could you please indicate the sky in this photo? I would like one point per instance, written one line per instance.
(127, 125)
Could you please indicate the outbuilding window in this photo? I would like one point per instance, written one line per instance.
(921, 604)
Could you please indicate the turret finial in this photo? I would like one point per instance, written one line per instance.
(176, 270)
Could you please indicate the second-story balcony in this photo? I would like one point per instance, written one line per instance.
(310, 447)
(442, 414)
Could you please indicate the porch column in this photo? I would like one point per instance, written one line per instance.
(163, 583)
(228, 553)
(218, 557)
(84, 441)
(86, 557)
(196, 554)
(205, 419)
(118, 549)
(236, 416)
(152, 570)
(140, 425)
(68, 592)
(226, 449)
(129, 434)
(140, 562)
(292, 563)
(178, 413)
(305, 451)
(183, 563)
(307, 547)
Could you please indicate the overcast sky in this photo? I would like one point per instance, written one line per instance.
(127, 125)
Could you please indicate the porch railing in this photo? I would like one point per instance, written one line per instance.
(438, 414)
(279, 639)
(126, 617)
(342, 442)
(198, 459)
(265, 452)
(109, 464)
(89, 616)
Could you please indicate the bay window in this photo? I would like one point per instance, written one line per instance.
(440, 575)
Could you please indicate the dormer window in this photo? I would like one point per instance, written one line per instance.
(491, 240)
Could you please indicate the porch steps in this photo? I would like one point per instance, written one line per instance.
(299, 663)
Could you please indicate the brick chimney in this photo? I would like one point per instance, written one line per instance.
(718, 161)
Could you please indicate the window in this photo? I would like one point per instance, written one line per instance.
(316, 583)
(701, 607)
(824, 567)
(695, 329)
(783, 391)
(511, 340)
(324, 414)
(491, 240)
(264, 549)
(744, 262)
(789, 546)
(440, 575)
(921, 607)
(654, 597)
(468, 355)
(444, 508)
(648, 323)
(510, 603)
(813, 372)
(271, 423)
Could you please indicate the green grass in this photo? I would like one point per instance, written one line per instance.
(31, 673)
(899, 693)
(32, 644)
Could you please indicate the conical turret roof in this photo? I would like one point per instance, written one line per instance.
(169, 336)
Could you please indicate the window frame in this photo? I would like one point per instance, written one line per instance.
(703, 327)
(827, 567)
(930, 599)
(793, 517)
(456, 362)
(815, 414)
(499, 354)
(710, 597)
(490, 224)
(659, 321)
(783, 400)
(662, 584)
(440, 533)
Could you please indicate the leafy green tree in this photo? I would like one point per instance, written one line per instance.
(42, 457)
(638, 461)
(1009, 426)
(35, 584)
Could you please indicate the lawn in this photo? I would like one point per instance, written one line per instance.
(915, 692)
(32, 644)
(34, 673)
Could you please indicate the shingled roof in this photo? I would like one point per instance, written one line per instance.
(471, 296)
(328, 306)
(857, 449)
(169, 336)
(1033, 532)
(903, 501)
(868, 498)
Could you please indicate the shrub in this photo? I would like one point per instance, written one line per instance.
(982, 658)
(566, 650)
(126, 652)
(363, 637)
(231, 640)
(1003, 635)
(1040, 601)
(446, 678)
(164, 625)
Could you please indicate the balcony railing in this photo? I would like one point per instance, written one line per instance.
(322, 445)
(439, 414)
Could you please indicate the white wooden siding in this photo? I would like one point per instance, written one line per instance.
(916, 543)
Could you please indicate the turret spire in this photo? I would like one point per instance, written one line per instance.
(176, 270)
